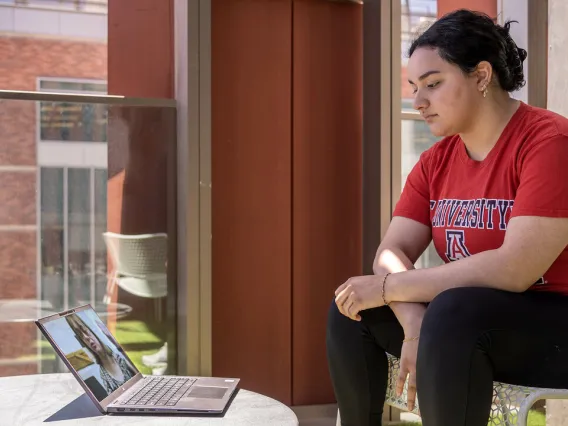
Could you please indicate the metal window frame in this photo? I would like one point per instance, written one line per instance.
(381, 120)
(192, 37)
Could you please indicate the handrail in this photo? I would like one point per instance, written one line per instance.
(20, 95)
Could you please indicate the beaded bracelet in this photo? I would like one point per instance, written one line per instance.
(383, 289)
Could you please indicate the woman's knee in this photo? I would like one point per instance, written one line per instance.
(455, 310)
(336, 321)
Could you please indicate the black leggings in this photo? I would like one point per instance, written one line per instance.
(469, 338)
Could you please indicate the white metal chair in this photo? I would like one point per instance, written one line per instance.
(140, 264)
(511, 404)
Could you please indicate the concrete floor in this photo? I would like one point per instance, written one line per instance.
(325, 415)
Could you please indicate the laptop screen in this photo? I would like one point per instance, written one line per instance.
(92, 351)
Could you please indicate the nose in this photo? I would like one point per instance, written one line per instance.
(90, 341)
(420, 101)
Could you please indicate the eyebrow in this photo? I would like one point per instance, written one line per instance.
(425, 75)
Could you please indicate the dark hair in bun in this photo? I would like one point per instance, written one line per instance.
(465, 38)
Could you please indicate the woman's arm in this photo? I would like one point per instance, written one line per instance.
(404, 242)
(409, 314)
(531, 246)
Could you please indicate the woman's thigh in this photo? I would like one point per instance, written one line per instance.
(524, 335)
(382, 326)
(378, 326)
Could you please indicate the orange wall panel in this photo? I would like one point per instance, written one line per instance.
(487, 6)
(327, 179)
(251, 193)
(141, 48)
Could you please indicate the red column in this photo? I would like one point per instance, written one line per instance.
(140, 48)
(487, 6)
(327, 179)
(251, 198)
(286, 200)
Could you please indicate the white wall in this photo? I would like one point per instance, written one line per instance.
(54, 23)
(558, 56)
(517, 10)
(557, 410)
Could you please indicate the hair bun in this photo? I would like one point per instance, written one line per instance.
(522, 54)
(515, 78)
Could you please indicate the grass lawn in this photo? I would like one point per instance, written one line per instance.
(133, 336)
(536, 418)
(137, 341)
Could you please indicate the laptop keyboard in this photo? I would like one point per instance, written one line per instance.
(161, 391)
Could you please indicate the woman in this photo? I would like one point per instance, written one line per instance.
(493, 197)
(114, 370)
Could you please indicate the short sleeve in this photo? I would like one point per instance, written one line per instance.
(414, 202)
(543, 180)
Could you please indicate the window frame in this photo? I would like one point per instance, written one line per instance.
(65, 210)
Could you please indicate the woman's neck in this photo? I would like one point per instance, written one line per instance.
(488, 125)
(110, 364)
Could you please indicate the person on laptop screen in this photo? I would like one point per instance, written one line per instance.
(94, 355)
(114, 370)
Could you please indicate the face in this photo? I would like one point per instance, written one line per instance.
(88, 337)
(447, 98)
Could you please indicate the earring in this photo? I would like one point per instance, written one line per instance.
(485, 91)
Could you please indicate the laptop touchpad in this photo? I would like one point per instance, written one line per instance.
(207, 392)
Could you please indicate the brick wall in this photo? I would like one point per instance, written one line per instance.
(22, 61)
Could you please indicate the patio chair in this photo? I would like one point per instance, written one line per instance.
(140, 264)
(511, 404)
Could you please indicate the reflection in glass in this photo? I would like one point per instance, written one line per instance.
(79, 223)
(100, 224)
(71, 121)
(52, 235)
(85, 189)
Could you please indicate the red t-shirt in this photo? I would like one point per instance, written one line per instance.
(468, 203)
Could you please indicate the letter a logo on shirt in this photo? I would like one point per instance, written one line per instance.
(455, 245)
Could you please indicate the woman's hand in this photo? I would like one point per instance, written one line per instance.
(358, 294)
(409, 354)
(408, 357)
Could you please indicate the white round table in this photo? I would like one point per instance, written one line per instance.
(55, 399)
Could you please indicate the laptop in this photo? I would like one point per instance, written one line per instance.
(113, 382)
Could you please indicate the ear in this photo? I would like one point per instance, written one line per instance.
(484, 75)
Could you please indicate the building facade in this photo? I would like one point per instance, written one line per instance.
(50, 47)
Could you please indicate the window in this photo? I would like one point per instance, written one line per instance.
(72, 122)
(415, 137)
(73, 193)
(72, 220)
